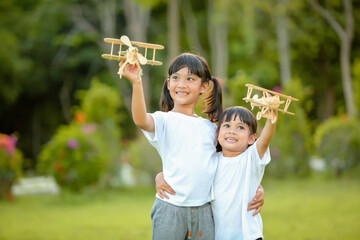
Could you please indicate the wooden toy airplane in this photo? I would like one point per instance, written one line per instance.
(268, 103)
(132, 55)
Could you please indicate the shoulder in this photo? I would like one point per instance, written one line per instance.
(207, 123)
(251, 151)
(252, 148)
(159, 115)
(218, 155)
(254, 154)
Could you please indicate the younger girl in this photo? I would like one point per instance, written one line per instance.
(186, 144)
(242, 160)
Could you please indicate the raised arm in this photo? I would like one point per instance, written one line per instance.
(141, 118)
(265, 137)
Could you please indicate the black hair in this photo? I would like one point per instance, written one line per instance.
(245, 116)
(197, 65)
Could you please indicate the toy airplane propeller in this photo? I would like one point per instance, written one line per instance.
(131, 55)
(269, 102)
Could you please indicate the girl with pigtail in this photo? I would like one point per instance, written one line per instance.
(186, 144)
(213, 99)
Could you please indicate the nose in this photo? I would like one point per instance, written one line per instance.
(231, 130)
(182, 82)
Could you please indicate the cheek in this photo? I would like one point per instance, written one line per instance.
(220, 134)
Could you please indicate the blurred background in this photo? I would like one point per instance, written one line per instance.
(65, 121)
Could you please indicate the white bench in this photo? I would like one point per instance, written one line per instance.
(36, 185)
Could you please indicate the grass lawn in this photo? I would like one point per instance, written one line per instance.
(311, 209)
(294, 209)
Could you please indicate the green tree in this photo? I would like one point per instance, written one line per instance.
(346, 35)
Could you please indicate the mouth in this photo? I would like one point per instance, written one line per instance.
(231, 140)
(181, 93)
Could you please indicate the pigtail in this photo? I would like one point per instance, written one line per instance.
(214, 101)
(166, 102)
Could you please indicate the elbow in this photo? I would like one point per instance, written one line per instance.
(143, 125)
(144, 122)
(140, 124)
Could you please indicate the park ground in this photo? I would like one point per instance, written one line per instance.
(300, 209)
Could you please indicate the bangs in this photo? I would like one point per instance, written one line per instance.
(232, 115)
(244, 114)
(193, 63)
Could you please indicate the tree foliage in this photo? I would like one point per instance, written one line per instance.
(51, 49)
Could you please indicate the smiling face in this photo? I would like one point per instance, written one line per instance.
(234, 136)
(185, 88)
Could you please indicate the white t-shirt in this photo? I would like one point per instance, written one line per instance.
(187, 146)
(235, 185)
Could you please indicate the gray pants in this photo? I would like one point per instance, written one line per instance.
(170, 222)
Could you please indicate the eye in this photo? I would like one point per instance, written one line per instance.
(226, 125)
(174, 77)
(190, 79)
(241, 128)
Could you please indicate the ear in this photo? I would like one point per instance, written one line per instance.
(168, 83)
(252, 139)
(204, 87)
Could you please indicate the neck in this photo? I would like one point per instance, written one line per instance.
(230, 153)
(187, 110)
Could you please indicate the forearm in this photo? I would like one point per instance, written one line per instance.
(265, 138)
(268, 131)
(138, 107)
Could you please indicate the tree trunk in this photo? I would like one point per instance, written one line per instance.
(346, 77)
(218, 37)
(36, 132)
(65, 99)
(329, 107)
(346, 37)
(173, 21)
(192, 29)
(283, 43)
(104, 13)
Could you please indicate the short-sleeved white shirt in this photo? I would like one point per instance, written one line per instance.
(187, 146)
(236, 181)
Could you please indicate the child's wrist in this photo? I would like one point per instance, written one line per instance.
(137, 82)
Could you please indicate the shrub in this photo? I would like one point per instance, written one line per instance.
(100, 103)
(144, 158)
(103, 105)
(88, 150)
(292, 146)
(76, 156)
(238, 90)
(337, 140)
(10, 165)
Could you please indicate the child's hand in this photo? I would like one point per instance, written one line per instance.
(274, 116)
(258, 201)
(162, 186)
(131, 72)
